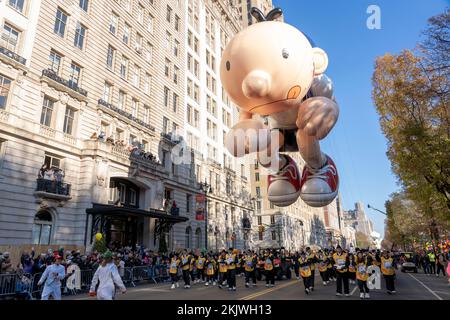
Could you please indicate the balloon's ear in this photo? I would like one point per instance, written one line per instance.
(320, 61)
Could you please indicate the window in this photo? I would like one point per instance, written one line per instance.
(149, 53)
(52, 161)
(136, 76)
(260, 236)
(259, 221)
(198, 238)
(148, 84)
(166, 97)
(113, 25)
(167, 68)
(138, 44)
(188, 202)
(258, 192)
(5, 86)
(54, 61)
(17, 4)
(110, 58)
(42, 228)
(140, 14)
(126, 34)
(175, 102)
(274, 235)
(69, 119)
(176, 47)
(196, 93)
(10, 38)
(168, 41)
(146, 118)
(175, 74)
(132, 197)
(119, 134)
(177, 23)
(134, 108)
(107, 92)
(122, 100)
(123, 67)
(257, 178)
(60, 22)
(128, 5)
(150, 23)
(75, 74)
(272, 220)
(169, 14)
(84, 4)
(80, 34)
(258, 206)
(165, 127)
(47, 111)
(122, 193)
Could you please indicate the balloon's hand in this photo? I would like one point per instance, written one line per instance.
(317, 116)
(247, 136)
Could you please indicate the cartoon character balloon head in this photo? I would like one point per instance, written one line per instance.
(273, 70)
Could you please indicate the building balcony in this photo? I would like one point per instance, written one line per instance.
(53, 190)
(171, 137)
(64, 85)
(128, 116)
(12, 58)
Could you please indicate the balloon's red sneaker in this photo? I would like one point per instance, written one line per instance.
(284, 187)
(319, 187)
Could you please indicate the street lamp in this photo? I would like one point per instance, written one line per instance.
(206, 188)
(370, 207)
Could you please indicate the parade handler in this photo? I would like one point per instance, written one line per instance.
(276, 75)
(52, 277)
(109, 278)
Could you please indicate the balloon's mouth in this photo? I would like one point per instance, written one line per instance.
(293, 94)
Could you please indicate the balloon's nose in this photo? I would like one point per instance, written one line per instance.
(256, 84)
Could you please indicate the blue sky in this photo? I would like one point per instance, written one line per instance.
(339, 27)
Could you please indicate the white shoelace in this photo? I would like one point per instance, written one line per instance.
(321, 173)
(281, 176)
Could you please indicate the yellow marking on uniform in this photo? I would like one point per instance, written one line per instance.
(264, 292)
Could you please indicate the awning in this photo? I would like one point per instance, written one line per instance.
(101, 209)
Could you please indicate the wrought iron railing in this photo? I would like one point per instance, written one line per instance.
(12, 55)
(125, 114)
(49, 73)
(53, 187)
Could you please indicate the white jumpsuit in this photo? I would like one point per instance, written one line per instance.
(109, 278)
(52, 276)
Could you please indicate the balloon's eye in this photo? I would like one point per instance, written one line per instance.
(285, 53)
(228, 65)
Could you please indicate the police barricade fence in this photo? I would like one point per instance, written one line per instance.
(78, 281)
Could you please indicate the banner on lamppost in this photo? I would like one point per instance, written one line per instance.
(200, 202)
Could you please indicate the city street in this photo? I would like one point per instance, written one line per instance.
(409, 287)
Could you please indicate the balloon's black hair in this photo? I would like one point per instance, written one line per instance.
(271, 16)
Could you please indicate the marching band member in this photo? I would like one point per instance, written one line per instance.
(322, 259)
(210, 264)
(223, 269)
(200, 263)
(250, 261)
(312, 259)
(108, 276)
(173, 270)
(330, 267)
(306, 272)
(268, 269)
(186, 268)
(351, 269)
(231, 260)
(387, 268)
(362, 275)
(341, 263)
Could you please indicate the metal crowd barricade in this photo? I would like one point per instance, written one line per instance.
(86, 279)
(127, 277)
(16, 286)
(142, 273)
(8, 285)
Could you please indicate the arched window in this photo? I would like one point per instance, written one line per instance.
(188, 237)
(42, 228)
(198, 238)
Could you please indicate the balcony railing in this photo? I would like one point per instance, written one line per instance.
(171, 137)
(49, 73)
(12, 55)
(125, 114)
(53, 187)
